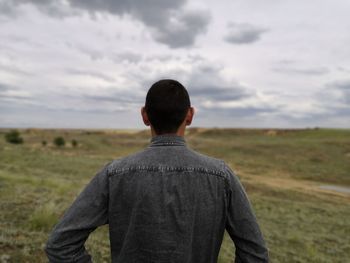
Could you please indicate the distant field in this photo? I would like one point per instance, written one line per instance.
(280, 169)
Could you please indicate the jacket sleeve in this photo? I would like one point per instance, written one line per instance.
(241, 224)
(88, 211)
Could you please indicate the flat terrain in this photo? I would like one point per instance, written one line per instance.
(283, 171)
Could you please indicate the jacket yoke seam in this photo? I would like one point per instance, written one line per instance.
(119, 171)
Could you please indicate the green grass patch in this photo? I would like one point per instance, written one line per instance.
(43, 218)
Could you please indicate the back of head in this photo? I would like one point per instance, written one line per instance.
(167, 103)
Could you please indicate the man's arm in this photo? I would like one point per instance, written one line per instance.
(242, 225)
(88, 211)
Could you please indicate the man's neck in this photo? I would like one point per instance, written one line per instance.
(180, 132)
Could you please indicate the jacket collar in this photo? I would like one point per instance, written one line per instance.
(167, 140)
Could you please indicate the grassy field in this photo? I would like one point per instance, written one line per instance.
(280, 169)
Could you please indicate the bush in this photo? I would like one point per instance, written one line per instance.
(44, 143)
(43, 218)
(13, 137)
(74, 143)
(59, 141)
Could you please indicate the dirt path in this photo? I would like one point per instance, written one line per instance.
(340, 189)
(299, 185)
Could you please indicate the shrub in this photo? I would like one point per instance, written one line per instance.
(59, 141)
(74, 143)
(13, 137)
(43, 218)
(44, 143)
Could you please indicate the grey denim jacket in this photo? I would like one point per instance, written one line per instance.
(166, 203)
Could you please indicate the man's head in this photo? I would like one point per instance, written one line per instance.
(167, 108)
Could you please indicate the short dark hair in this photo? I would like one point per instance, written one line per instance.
(167, 103)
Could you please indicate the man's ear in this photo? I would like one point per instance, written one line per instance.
(189, 116)
(145, 117)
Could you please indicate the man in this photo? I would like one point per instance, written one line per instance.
(166, 203)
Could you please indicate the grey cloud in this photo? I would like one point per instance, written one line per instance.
(342, 69)
(110, 95)
(90, 73)
(12, 96)
(169, 22)
(58, 9)
(344, 88)
(91, 110)
(115, 97)
(286, 61)
(234, 112)
(7, 9)
(116, 101)
(151, 12)
(127, 56)
(288, 66)
(182, 33)
(14, 40)
(54, 8)
(219, 93)
(108, 99)
(344, 85)
(5, 93)
(13, 70)
(303, 71)
(243, 33)
(206, 84)
(195, 58)
(337, 111)
(161, 58)
(4, 87)
(344, 112)
(334, 99)
(93, 54)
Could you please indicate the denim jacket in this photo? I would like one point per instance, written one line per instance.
(166, 203)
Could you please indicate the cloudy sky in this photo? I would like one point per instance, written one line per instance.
(245, 63)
